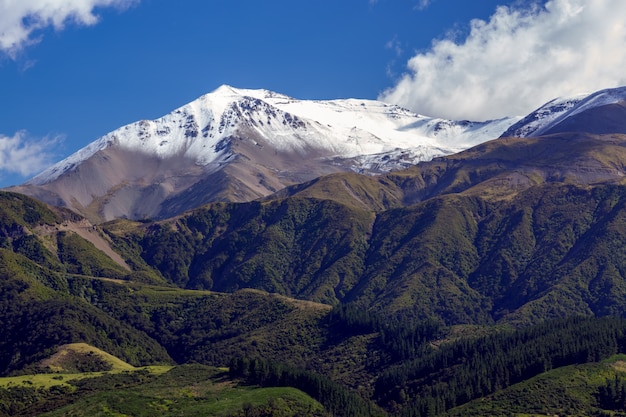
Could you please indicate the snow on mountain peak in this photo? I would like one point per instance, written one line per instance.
(341, 128)
(556, 111)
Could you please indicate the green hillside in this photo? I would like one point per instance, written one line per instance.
(549, 251)
(190, 390)
(468, 284)
(593, 389)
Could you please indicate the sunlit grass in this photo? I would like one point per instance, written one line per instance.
(61, 379)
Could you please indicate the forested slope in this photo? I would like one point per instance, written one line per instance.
(417, 291)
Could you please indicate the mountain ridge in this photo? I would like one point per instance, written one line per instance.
(557, 115)
(229, 106)
(239, 145)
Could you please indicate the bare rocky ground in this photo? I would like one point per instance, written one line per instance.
(90, 233)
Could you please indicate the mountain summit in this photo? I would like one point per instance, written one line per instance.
(239, 145)
(598, 113)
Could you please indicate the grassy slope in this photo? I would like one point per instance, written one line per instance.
(564, 391)
(168, 391)
(72, 357)
(201, 399)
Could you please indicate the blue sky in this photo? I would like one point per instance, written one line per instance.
(77, 69)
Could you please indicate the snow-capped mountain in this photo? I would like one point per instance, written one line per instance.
(601, 112)
(239, 145)
(341, 128)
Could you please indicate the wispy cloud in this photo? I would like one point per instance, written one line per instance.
(23, 155)
(395, 46)
(519, 59)
(22, 20)
(422, 4)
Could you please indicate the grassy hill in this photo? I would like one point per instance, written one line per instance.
(191, 390)
(571, 390)
(80, 357)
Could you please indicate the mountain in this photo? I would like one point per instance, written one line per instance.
(61, 283)
(492, 234)
(601, 112)
(419, 264)
(239, 145)
(393, 285)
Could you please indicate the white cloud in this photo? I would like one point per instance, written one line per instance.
(26, 156)
(518, 60)
(422, 4)
(20, 20)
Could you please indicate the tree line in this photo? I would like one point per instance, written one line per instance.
(335, 398)
(461, 371)
(399, 339)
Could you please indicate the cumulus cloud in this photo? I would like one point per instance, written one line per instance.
(518, 60)
(21, 20)
(20, 154)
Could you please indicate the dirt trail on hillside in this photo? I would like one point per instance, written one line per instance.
(91, 234)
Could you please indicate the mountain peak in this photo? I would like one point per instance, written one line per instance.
(225, 89)
(229, 91)
(259, 140)
(572, 113)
